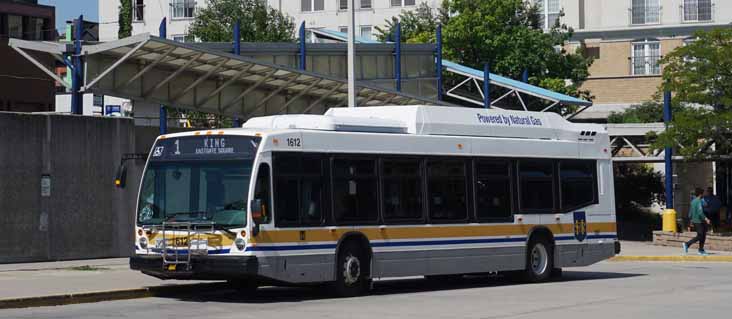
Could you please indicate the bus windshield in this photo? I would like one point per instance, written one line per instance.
(198, 179)
(210, 191)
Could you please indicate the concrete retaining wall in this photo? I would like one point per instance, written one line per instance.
(82, 214)
(714, 242)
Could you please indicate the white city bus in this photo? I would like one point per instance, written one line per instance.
(375, 192)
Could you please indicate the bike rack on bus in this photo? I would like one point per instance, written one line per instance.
(187, 239)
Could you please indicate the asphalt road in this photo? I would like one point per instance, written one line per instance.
(606, 290)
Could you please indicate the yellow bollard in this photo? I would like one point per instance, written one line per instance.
(669, 220)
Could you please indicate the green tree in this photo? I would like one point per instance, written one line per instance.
(125, 19)
(699, 76)
(418, 25)
(506, 33)
(259, 22)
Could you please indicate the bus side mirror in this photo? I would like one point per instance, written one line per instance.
(120, 176)
(258, 214)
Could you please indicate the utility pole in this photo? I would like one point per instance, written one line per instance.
(351, 53)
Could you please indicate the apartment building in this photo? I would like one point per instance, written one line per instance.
(330, 14)
(627, 38)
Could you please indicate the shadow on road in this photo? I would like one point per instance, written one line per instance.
(381, 288)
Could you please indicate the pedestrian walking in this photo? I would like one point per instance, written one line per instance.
(700, 221)
(712, 206)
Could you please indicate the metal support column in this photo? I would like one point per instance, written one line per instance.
(303, 53)
(163, 111)
(668, 152)
(439, 62)
(487, 85)
(236, 122)
(398, 57)
(77, 97)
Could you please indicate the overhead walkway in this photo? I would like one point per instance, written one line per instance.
(151, 69)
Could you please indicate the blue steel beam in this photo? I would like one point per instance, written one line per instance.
(236, 122)
(487, 85)
(439, 62)
(398, 57)
(303, 53)
(163, 111)
(668, 152)
(76, 77)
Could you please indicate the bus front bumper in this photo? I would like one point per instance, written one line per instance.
(200, 268)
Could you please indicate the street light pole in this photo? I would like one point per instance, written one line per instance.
(351, 53)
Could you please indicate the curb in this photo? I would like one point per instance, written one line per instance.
(687, 258)
(97, 296)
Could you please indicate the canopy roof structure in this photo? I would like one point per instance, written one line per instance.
(152, 69)
(513, 87)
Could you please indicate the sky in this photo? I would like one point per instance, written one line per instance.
(70, 9)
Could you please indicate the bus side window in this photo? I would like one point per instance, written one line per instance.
(493, 189)
(536, 186)
(355, 191)
(261, 191)
(578, 183)
(447, 190)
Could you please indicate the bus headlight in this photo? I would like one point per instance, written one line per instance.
(240, 243)
(143, 242)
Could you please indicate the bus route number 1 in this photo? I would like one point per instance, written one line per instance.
(294, 142)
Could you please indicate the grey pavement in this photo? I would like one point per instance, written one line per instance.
(604, 290)
(644, 248)
(85, 276)
(70, 277)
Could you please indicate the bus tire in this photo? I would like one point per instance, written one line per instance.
(352, 270)
(539, 260)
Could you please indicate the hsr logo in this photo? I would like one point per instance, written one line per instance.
(580, 226)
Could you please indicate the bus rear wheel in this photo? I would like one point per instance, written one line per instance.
(352, 271)
(539, 260)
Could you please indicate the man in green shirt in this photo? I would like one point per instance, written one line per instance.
(700, 221)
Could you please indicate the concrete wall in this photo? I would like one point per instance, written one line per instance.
(84, 216)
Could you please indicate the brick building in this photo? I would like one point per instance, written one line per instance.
(23, 87)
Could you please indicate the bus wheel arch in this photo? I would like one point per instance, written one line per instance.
(540, 254)
(353, 265)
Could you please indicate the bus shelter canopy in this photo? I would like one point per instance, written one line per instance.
(152, 69)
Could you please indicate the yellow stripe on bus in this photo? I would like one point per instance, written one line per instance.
(419, 232)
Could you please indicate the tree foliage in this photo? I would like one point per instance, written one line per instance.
(700, 76)
(506, 33)
(418, 25)
(636, 185)
(646, 112)
(259, 22)
(125, 19)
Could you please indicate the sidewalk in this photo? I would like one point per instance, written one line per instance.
(55, 283)
(646, 251)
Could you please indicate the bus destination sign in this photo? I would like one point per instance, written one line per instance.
(205, 147)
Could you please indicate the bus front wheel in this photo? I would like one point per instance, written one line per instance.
(352, 271)
(539, 260)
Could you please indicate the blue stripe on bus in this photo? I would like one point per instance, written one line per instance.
(415, 243)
